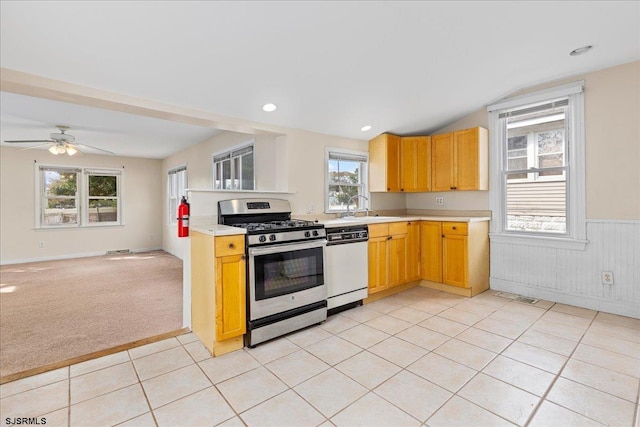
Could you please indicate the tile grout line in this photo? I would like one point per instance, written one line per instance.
(555, 380)
(144, 392)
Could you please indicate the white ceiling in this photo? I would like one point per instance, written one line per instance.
(331, 67)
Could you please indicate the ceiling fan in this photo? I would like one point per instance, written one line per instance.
(60, 143)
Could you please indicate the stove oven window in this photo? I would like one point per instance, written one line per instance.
(288, 272)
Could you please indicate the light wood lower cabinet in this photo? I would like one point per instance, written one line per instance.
(456, 255)
(218, 291)
(393, 255)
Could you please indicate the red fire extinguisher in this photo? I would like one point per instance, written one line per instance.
(183, 218)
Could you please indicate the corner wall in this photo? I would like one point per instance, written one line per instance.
(20, 242)
(612, 128)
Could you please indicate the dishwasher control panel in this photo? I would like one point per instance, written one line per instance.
(351, 234)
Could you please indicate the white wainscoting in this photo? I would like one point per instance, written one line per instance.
(574, 276)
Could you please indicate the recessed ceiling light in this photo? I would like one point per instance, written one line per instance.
(581, 50)
(365, 128)
(269, 107)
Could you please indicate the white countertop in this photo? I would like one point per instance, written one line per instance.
(340, 222)
(225, 230)
(218, 230)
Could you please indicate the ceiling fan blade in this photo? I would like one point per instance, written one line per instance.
(29, 141)
(93, 148)
(33, 146)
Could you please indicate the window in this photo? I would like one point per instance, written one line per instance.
(78, 197)
(538, 161)
(346, 179)
(234, 170)
(176, 188)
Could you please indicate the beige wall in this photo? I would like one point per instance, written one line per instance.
(20, 240)
(612, 127)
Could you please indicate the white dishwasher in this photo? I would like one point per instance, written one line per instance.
(346, 266)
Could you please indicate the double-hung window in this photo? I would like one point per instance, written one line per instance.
(234, 169)
(70, 196)
(176, 188)
(346, 180)
(538, 164)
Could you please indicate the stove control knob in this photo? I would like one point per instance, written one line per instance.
(307, 234)
(272, 238)
(262, 239)
(315, 232)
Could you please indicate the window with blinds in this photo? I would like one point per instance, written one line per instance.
(346, 181)
(176, 188)
(234, 169)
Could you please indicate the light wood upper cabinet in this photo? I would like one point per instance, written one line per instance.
(400, 164)
(459, 160)
(415, 163)
(384, 163)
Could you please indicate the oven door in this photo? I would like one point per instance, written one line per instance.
(285, 277)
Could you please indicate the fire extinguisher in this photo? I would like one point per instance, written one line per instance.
(183, 218)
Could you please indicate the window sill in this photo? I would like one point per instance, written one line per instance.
(78, 227)
(540, 241)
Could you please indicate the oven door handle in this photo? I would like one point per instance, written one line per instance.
(287, 247)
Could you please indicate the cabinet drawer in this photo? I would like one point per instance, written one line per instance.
(459, 228)
(398, 228)
(229, 245)
(378, 230)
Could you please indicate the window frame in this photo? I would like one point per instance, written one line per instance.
(171, 173)
(575, 149)
(81, 198)
(364, 176)
(234, 175)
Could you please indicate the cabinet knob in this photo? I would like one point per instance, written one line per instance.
(443, 235)
(232, 246)
(402, 189)
(388, 189)
(453, 228)
(389, 238)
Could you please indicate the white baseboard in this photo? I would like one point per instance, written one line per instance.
(70, 256)
(622, 308)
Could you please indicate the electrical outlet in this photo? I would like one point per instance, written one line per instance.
(607, 277)
(439, 200)
(41, 244)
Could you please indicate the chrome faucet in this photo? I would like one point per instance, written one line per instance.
(351, 200)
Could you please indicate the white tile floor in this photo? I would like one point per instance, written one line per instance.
(421, 357)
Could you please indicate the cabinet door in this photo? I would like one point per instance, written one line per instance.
(454, 260)
(415, 163)
(466, 157)
(442, 162)
(378, 280)
(397, 260)
(384, 163)
(393, 163)
(230, 297)
(413, 251)
(431, 251)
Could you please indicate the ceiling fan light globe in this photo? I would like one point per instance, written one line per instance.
(60, 149)
(71, 151)
(53, 150)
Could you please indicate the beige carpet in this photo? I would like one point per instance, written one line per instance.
(57, 310)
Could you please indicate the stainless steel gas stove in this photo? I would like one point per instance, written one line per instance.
(285, 268)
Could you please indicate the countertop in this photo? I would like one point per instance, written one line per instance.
(340, 222)
(218, 230)
(225, 230)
